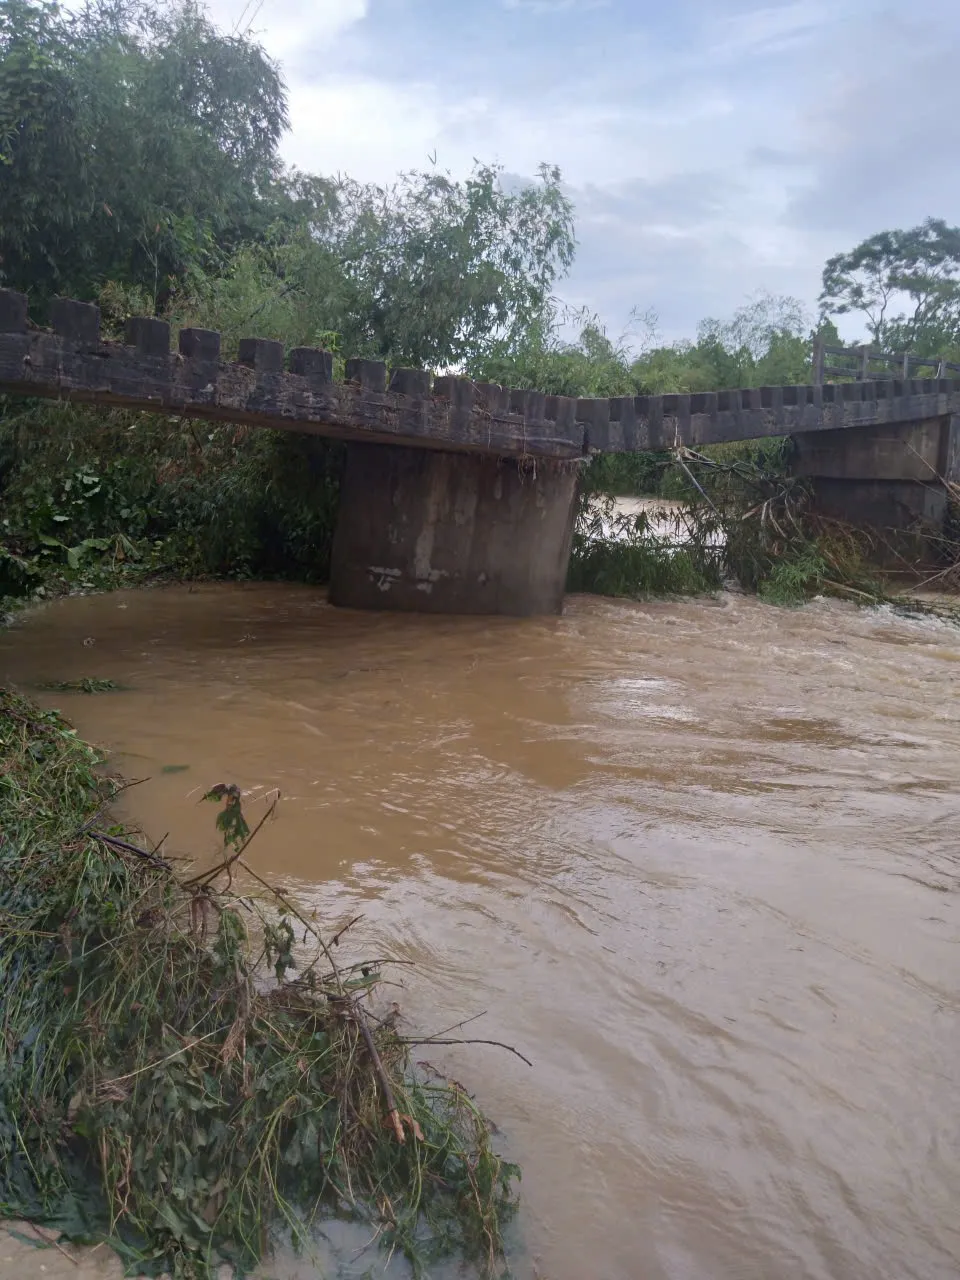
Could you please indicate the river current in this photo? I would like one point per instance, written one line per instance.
(699, 861)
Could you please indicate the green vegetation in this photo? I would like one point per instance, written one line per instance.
(93, 500)
(164, 1082)
(140, 154)
(616, 554)
(138, 147)
(768, 341)
(180, 1073)
(728, 513)
(88, 684)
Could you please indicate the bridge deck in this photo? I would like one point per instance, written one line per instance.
(295, 391)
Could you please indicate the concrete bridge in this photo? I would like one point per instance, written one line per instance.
(459, 497)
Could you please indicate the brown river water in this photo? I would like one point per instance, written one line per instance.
(699, 861)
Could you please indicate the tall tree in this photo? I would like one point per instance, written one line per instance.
(590, 365)
(430, 271)
(441, 271)
(136, 142)
(138, 161)
(905, 283)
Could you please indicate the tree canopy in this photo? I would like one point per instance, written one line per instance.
(906, 285)
(138, 151)
(428, 271)
(766, 342)
(137, 143)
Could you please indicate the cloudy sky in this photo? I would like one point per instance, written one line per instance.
(713, 148)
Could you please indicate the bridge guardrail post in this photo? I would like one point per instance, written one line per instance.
(819, 360)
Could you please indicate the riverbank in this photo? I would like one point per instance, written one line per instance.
(187, 1069)
(28, 1250)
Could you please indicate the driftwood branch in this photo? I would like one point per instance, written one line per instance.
(498, 1043)
(389, 1099)
(116, 843)
(288, 905)
(206, 878)
(335, 940)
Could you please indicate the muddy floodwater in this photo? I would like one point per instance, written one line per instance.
(699, 861)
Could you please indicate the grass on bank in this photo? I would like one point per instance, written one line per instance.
(175, 1078)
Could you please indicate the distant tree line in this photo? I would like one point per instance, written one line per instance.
(139, 165)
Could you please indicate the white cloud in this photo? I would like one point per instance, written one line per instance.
(373, 128)
(285, 27)
(712, 149)
(881, 143)
(369, 129)
(768, 30)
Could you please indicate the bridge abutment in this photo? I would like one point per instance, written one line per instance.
(427, 531)
(887, 477)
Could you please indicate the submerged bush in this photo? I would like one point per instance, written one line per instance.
(619, 554)
(736, 513)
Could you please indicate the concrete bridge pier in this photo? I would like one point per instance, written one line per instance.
(428, 531)
(889, 477)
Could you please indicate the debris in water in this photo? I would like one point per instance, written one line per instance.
(180, 1073)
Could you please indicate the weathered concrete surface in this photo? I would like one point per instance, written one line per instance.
(888, 478)
(302, 399)
(431, 532)
(887, 506)
(951, 466)
(905, 451)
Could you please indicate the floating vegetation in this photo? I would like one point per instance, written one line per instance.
(86, 685)
(186, 1071)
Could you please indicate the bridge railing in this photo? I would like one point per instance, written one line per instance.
(864, 363)
(295, 390)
